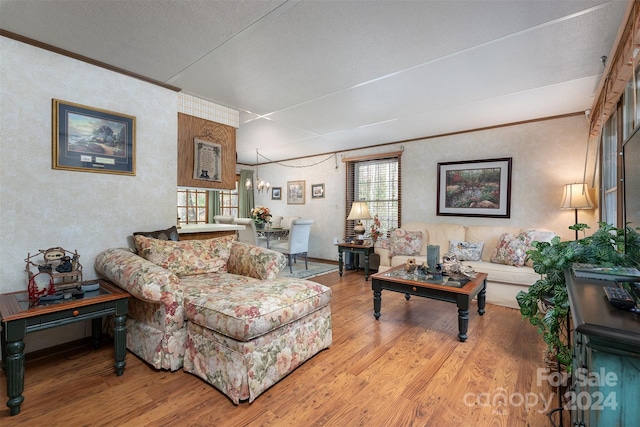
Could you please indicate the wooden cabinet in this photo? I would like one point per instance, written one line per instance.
(606, 366)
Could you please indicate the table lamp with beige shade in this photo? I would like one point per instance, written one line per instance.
(359, 211)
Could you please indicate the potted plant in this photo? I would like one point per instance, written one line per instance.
(546, 303)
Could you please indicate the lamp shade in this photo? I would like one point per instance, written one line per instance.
(576, 196)
(359, 210)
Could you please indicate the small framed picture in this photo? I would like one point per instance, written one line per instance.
(295, 192)
(317, 191)
(276, 193)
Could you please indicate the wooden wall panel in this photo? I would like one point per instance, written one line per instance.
(190, 127)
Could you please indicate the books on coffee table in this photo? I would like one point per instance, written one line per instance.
(591, 271)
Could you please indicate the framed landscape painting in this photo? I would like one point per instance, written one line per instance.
(89, 139)
(475, 188)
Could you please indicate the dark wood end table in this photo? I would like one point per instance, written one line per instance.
(355, 249)
(20, 316)
(398, 280)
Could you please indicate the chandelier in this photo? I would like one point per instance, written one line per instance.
(261, 185)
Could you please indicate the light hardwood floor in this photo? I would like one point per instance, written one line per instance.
(407, 369)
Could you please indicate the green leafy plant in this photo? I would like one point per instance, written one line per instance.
(546, 304)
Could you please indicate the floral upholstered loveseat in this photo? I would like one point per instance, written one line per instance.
(217, 308)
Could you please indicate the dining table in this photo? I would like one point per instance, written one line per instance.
(270, 233)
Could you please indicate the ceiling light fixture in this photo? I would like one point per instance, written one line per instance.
(261, 185)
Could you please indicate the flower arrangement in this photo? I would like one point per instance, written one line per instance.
(260, 215)
(375, 229)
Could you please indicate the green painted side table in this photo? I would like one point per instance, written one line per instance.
(20, 316)
(355, 249)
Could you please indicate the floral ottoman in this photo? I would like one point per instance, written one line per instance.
(243, 337)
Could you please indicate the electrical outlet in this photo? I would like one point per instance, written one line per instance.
(336, 241)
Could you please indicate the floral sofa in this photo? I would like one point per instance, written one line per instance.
(498, 251)
(216, 308)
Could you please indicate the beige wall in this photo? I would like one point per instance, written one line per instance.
(546, 155)
(89, 212)
(41, 207)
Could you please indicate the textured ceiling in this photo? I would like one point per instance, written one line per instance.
(312, 77)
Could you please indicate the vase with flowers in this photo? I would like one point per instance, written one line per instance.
(375, 229)
(261, 215)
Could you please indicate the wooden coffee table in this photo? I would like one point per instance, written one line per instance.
(20, 316)
(398, 280)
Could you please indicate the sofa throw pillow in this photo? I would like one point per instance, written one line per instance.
(403, 242)
(540, 236)
(512, 249)
(170, 233)
(187, 257)
(466, 251)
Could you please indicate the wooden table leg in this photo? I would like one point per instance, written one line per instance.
(14, 370)
(366, 265)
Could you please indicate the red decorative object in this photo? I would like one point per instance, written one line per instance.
(40, 285)
(375, 229)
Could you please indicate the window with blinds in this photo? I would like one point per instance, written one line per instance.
(375, 180)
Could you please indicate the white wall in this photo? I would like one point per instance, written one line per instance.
(88, 212)
(546, 155)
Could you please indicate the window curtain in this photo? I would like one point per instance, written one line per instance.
(214, 205)
(245, 197)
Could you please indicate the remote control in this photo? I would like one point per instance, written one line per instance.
(619, 298)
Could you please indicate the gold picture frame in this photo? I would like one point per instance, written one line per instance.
(295, 192)
(88, 139)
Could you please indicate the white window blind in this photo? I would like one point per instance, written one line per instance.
(377, 182)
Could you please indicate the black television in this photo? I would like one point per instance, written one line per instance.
(631, 181)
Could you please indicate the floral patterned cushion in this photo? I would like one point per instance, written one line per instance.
(383, 243)
(187, 257)
(466, 251)
(512, 249)
(539, 236)
(254, 261)
(403, 242)
(244, 308)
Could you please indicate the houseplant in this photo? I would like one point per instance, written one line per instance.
(260, 215)
(546, 303)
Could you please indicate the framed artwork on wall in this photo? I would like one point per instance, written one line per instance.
(207, 160)
(295, 192)
(88, 139)
(276, 193)
(475, 188)
(317, 191)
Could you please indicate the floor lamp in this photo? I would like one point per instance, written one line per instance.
(576, 196)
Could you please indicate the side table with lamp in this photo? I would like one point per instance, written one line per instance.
(359, 211)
